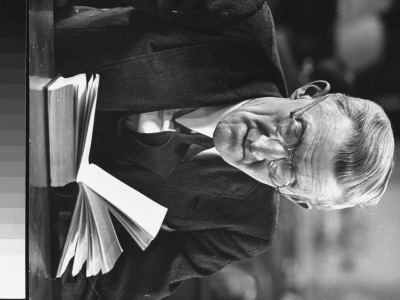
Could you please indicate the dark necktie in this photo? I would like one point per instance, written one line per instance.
(159, 152)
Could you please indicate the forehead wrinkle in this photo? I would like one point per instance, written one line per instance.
(309, 160)
(314, 161)
(320, 181)
(305, 159)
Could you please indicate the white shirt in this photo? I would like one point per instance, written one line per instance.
(203, 120)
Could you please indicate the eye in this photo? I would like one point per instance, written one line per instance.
(289, 132)
(290, 190)
(281, 173)
(303, 123)
(294, 186)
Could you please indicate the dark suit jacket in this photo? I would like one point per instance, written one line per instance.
(176, 57)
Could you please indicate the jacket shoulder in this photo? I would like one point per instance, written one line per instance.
(199, 13)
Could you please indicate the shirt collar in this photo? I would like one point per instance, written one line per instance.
(205, 119)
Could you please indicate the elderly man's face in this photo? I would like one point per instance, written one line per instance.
(247, 139)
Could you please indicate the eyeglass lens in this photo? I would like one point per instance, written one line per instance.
(281, 173)
(289, 132)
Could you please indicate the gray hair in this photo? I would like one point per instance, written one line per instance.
(364, 163)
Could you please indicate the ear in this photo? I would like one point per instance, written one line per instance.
(313, 89)
(303, 203)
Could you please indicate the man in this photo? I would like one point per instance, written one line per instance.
(328, 151)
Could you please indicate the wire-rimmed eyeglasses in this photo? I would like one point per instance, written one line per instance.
(290, 132)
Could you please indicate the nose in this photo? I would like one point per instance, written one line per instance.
(265, 148)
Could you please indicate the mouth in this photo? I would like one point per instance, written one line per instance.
(245, 145)
(249, 138)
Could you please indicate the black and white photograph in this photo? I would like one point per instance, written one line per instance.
(208, 150)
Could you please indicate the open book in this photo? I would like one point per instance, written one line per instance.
(91, 237)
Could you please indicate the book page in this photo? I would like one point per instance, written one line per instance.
(81, 92)
(63, 97)
(140, 236)
(61, 135)
(146, 213)
(82, 247)
(87, 130)
(91, 241)
(107, 248)
(72, 237)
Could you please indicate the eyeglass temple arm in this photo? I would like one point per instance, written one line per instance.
(321, 93)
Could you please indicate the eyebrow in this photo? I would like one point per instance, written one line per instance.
(304, 125)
